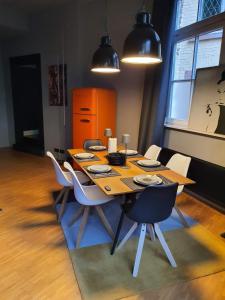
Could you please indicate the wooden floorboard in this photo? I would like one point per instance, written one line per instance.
(34, 261)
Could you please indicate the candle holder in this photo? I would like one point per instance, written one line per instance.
(108, 132)
(126, 141)
(108, 135)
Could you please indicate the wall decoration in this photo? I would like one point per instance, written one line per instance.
(208, 102)
(57, 85)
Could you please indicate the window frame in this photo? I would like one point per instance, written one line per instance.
(213, 23)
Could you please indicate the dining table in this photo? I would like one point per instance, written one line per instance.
(115, 184)
(121, 180)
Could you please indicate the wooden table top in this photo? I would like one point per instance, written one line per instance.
(115, 183)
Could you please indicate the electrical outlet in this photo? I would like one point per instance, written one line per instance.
(62, 151)
(56, 150)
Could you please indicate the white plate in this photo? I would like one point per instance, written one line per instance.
(148, 163)
(84, 155)
(129, 152)
(147, 180)
(97, 148)
(99, 168)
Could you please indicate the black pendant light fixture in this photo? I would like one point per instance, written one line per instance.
(142, 45)
(105, 58)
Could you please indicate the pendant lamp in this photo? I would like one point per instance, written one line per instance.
(142, 45)
(105, 59)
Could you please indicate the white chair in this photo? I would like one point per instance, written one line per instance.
(180, 164)
(88, 196)
(64, 179)
(153, 152)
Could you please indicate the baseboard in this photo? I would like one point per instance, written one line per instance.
(206, 201)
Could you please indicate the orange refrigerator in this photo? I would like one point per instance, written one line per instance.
(93, 109)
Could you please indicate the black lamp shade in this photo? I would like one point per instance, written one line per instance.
(105, 59)
(142, 45)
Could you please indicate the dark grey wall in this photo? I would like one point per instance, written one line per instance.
(4, 132)
(75, 30)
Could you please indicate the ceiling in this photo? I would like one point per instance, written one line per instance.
(32, 6)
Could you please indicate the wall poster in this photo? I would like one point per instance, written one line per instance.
(57, 85)
(208, 102)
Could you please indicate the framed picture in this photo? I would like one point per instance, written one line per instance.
(208, 103)
(57, 85)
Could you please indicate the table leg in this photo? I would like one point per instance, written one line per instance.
(117, 233)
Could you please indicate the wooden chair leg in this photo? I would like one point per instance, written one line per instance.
(117, 233)
(82, 225)
(181, 216)
(127, 236)
(164, 245)
(59, 196)
(76, 216)
(151, 231)
(139, 250)
(104, 221)
(63, 205)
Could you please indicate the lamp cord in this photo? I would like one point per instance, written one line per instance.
(143, 5)
(106, 17)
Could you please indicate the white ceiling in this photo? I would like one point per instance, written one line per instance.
(32, 6)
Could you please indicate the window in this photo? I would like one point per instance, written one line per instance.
(196, 45)
(211, 8)
(191, 11)
(189, 55)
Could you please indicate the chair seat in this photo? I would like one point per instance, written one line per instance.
(95, 196)
(83, 178)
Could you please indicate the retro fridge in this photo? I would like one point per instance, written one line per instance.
(93, 110)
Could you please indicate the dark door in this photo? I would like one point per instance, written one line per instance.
(27, 103)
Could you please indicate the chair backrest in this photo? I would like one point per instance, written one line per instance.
(180, 164)
(60, 176)
(154, 204)
(153, 152)
(79, 192)
(88, 143)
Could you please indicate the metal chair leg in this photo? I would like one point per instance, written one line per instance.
(164, 245)
(127, 236)
(181, 216)
(139, 250)
(117, 233)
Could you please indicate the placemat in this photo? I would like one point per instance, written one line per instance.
(136, 187)
(112, 173)
(80, 160)
(135, 155)
(149, 169)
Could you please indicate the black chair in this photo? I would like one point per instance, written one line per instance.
(92, 142)
(154, 205)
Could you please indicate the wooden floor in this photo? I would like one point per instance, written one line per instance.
(34, 261)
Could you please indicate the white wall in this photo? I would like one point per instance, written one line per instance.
(82, 24)
(200, 146)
